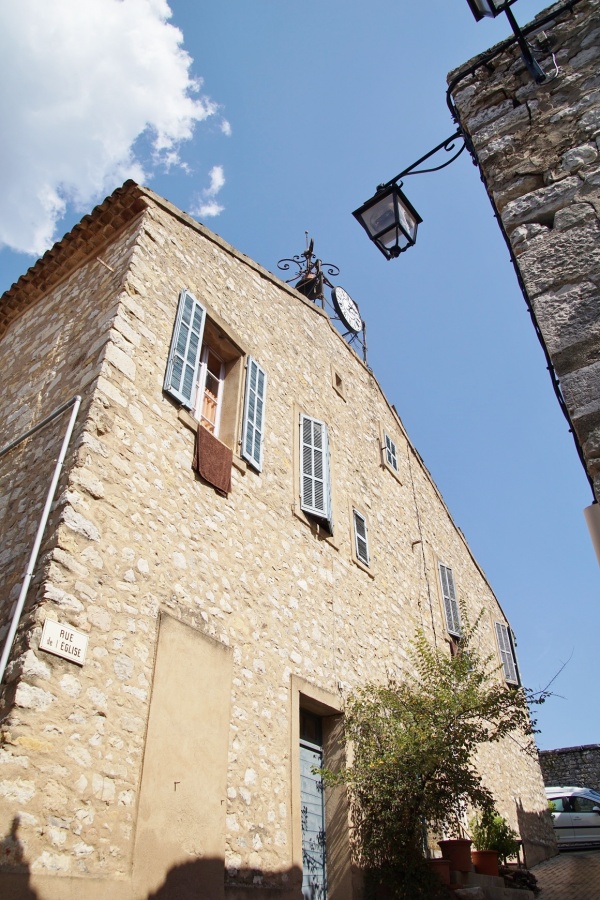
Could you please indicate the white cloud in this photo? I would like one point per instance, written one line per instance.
(211, 208)
(226, 127)
(207, 206)
(86, 86)
(217, 180)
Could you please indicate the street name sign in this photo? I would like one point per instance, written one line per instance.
(65, 641)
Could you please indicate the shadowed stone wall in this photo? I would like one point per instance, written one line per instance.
(538, 150)
(579, 766)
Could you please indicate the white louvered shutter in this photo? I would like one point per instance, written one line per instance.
(506, 653)
(184, 356)
(254, 414)
(315, 488)
(361, 540)
(450, 601)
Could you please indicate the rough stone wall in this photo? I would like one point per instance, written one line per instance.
(538, 149)
(579, 766)
(140, 534)
(48, 355)
(51, 352)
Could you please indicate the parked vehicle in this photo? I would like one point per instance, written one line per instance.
(576, 815)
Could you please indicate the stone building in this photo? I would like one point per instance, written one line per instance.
(537, 146)
(226, 614)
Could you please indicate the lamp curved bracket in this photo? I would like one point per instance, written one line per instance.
(447, 145)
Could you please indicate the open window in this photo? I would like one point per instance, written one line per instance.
(451, 609)
(315, 471)
(204, 374)
(508, 656)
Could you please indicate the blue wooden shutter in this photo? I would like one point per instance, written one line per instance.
(450, 601)
(506, 653)
(184, 356)
(315, 486)
(361, 541)
(254, 414)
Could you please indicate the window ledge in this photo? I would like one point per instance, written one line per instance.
(361, 565)
(190, 422)
(318, 530)
(390, 469)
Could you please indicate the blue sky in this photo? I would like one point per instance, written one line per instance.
(302, 111)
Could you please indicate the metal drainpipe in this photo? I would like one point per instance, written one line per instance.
(76, 403)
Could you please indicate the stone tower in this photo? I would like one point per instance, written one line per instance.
(538, 149)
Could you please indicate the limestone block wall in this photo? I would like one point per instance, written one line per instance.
(579, 766)
(538, 149)
(49, 355)
(296, 619)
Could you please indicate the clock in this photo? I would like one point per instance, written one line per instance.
(347, 309)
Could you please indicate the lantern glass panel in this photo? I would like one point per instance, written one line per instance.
(392, 238)
(481, 8)
(380, 216)
(407, 221)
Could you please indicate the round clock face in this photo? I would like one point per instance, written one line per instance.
(347, 309)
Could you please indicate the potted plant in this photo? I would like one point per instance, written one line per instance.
(458, 852)
(493, 839)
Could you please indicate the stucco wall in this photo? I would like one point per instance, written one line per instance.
(538, 148)
(141, 534)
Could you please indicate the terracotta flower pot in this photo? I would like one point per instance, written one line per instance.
(458, 851)
(442, 869)
(485, 861)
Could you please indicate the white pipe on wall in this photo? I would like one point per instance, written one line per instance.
(76, 402)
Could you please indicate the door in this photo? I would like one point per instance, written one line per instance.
(585, 819)
(314, 877)
(560, 809)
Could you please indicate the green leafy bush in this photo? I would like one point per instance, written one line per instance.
(413, 745)
(491, 831)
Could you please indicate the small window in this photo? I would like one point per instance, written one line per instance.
(507, 653)
(315, 482)
(361, 540)
(389, 450)
(450, 602)
(338, 383)
(584, 804)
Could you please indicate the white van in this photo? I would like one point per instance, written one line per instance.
(576, 815)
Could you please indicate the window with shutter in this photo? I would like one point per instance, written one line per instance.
(184, 355)
(204, 374)
(254, 414)
(507, 653)
(315, 484)
(450, 602)
(361, 540)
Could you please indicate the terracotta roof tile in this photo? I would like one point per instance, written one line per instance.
(94, 230)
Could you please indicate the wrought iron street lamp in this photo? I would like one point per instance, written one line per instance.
(493, 8)
(388, 217)
(390, 220)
